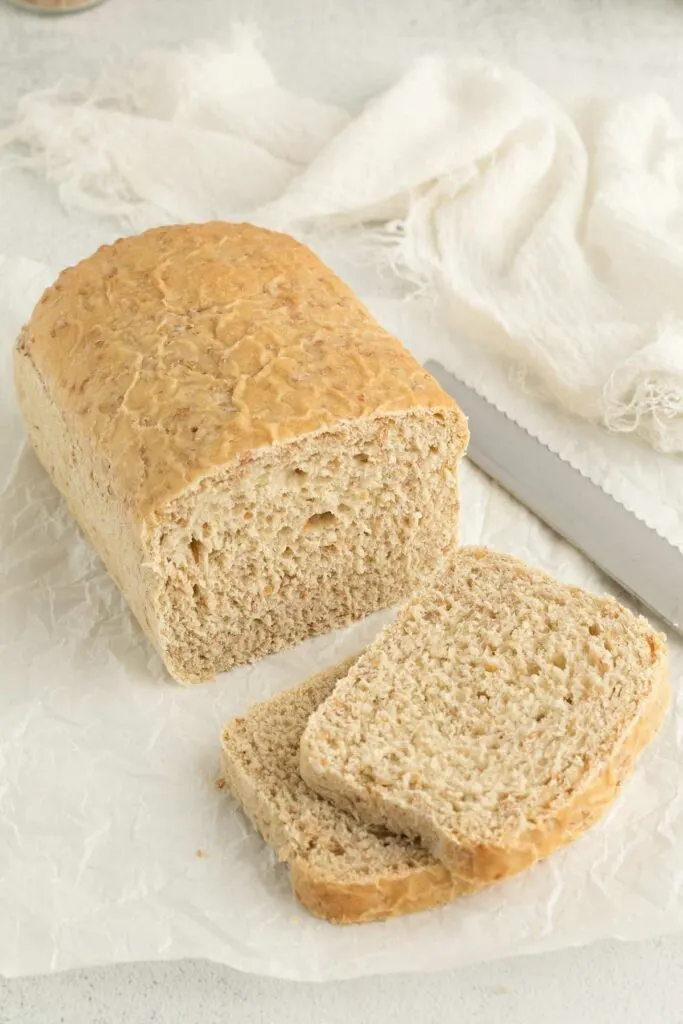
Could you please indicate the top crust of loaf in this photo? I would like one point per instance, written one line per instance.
(178, 351)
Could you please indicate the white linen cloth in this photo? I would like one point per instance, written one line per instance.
(554, 234)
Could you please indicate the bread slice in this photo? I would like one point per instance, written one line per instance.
(254, 458)
(494, 720)
(340, 869)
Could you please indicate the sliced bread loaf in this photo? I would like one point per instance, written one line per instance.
(340, 869)
(253, 457)
(494, 720)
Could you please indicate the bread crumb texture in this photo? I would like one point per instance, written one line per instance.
(495, 719)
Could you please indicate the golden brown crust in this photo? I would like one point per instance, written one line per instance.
(177, 351)
(377, 899)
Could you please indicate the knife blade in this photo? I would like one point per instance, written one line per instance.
(645, 564)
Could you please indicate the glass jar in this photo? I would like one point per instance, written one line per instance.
(54, 6)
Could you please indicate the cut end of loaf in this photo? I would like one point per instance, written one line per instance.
(302, 538)
(495, 719)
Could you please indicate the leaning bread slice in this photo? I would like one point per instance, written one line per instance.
(340, 869)
(494, 720)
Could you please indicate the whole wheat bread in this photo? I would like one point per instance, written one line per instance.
(341, 869)
(494, 720)
(253, 457)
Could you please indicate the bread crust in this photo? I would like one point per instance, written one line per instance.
(176, 352)
(377, 899)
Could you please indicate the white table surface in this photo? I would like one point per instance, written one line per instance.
(343, 50)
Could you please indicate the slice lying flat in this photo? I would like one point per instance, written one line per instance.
(494, 720)
(340, 869)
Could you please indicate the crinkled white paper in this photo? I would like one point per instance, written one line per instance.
(115, 844)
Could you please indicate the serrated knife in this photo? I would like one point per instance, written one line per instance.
(623, 546)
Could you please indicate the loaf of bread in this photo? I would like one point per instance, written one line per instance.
(253, 457)
(495, 720)
(340, 869)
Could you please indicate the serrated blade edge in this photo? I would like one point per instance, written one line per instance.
(614, 538)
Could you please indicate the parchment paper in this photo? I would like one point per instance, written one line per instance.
(115, 844)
